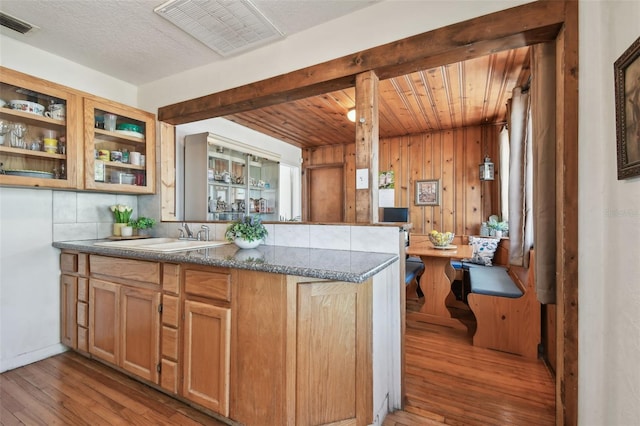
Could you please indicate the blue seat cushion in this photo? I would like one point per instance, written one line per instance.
(493, 281)
(412, 270)
(457, 264)
(414, 259)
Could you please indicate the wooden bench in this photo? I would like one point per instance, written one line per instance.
(507, 311)
(413, 271)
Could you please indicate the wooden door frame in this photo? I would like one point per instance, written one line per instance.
(528, 24)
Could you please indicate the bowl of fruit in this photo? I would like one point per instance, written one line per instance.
(441, 239)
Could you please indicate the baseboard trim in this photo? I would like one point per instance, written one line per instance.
(31, 357)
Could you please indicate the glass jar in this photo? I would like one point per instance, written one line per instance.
(484, 230)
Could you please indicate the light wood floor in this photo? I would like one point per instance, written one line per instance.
(69, 389)
(448, 381)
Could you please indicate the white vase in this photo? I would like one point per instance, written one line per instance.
(498, 234)
(126, 231)
(244, 244)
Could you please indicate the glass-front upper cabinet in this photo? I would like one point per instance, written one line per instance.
(40, 132)
(230, 182)
(119, 148)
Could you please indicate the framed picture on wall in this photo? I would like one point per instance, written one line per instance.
(627, 81)
(428, 192)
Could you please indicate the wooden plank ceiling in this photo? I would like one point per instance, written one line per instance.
(457, 95)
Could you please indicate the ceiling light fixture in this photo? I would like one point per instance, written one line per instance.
(351, 115)
(227, 27)
(486, 169)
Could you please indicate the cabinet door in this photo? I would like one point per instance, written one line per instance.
(140, 328)
(133, 138)
(25, 127)
(206, 355)
(333, 380)
(104, 320)
(68, 300)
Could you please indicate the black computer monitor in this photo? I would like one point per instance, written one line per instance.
(395, 214)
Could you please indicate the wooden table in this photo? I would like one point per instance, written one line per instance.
(436, 281)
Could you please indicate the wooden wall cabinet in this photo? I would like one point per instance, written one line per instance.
(24, 159)
(121, 172)
(74, 163)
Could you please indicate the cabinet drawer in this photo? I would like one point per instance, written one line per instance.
(171, 278)
(83, 339)
(170, 310)
(125, 269)
(170, 343)
(169, 376)
(213, 285)
(69, 262)
(83, 289)
(83, 314)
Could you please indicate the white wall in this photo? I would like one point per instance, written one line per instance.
(609, 223)
(30, 219)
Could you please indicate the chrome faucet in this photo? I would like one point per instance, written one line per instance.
(185, 232)
(203, 229)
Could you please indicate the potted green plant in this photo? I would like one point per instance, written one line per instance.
(142, 225)
(246, 232)
(498, 228)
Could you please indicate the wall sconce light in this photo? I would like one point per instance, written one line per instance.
(486, 169)
(351, 115)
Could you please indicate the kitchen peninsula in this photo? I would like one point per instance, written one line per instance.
(273, 335)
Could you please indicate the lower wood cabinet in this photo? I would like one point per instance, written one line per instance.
(68, 302)
(301, 351)
(140, 328)
(206, 359)
(259, 348)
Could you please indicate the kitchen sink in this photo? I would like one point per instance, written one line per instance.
(161, 244)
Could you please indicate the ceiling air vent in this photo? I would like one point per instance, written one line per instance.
(227, 27)
(15, 24)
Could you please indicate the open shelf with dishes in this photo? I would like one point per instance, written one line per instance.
(119, 148)
(36, 132)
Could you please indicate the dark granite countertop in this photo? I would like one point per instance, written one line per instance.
(341, 265)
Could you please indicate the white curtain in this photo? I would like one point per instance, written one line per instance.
(503, 144)
(520, 179)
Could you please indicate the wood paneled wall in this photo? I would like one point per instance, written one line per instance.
(451, 156)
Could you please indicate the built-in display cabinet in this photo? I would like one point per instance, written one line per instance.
(28, 122)
(225, 180)
(119, 147)
(53, 136)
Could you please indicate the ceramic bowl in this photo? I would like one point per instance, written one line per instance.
(26, 106)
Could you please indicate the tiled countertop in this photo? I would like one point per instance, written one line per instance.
(341, 265)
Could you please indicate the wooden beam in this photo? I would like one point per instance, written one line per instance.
(367, 146)
(523, 25)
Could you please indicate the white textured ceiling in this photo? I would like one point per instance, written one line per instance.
(127, 40)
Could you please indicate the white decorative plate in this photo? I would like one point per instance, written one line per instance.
(449, 247)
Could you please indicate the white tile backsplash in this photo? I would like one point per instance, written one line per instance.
(291, 235)
(330, 237)
(86, 216)
(375, 238)
(65, 207)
